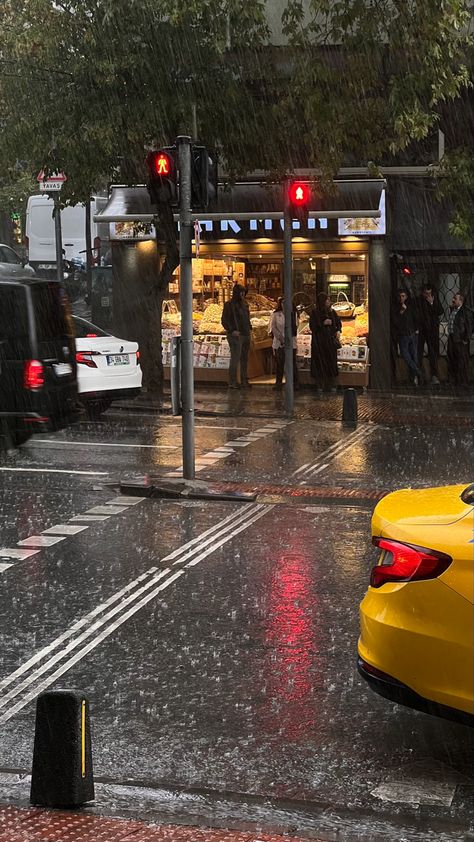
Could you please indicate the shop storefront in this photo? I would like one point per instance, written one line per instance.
(330, 253)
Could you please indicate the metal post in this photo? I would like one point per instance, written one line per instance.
(186, 300)
(175, 375)
(288, 304)
(89, 251)
(59, 240)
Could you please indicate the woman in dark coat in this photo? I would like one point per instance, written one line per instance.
(325, 327)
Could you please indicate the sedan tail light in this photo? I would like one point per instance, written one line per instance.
(401, 562)
(33, 375)
(85, 358)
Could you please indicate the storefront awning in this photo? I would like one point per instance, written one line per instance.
(353, 199)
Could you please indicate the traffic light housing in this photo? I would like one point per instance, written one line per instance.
(299, 195)
(204, 175)
(162, 180)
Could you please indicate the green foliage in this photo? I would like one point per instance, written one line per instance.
(87, 85)
(455, 176)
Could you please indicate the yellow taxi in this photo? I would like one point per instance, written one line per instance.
(417, 617)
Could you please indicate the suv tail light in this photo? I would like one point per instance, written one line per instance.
(138, 357)
(401, 562)
(33, 375)
(85, 358)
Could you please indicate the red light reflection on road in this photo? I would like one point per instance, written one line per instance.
(290, 638)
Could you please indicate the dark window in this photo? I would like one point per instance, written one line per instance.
(85, 328)
(7, 255)
(52, 314)
(14, 339)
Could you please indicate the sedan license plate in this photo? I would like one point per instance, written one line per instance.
(62, 368)
(118, 359)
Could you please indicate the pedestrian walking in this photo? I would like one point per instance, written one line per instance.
(429, 313)
(277, 331)
(238, 327)
(406, 327)
(459, 337)
(326, 329)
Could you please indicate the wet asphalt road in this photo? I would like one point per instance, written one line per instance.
(217, 642)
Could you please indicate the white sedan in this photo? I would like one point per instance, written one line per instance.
(108, 368)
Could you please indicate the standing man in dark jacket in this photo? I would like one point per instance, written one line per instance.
(236, 323)
(459, 337)
(405, 323)
(429, 312)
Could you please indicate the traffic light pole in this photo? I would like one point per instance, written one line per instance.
(186, 227)
(288, 303)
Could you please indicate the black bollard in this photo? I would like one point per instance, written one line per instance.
(349, 408)
(62, 757)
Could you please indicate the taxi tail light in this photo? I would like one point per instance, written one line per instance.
(33, 375)
(85, 358)
(406, 563)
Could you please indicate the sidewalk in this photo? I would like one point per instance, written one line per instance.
(38, 825)
(423, 407)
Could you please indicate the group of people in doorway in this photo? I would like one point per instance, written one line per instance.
(325, 327)
(415, 324)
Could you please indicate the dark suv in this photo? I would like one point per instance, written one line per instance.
(38, 387)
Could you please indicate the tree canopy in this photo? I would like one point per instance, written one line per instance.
(87, 85)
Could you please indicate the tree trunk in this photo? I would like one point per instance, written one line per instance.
(140, 285)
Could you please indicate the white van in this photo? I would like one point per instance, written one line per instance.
(40, 233)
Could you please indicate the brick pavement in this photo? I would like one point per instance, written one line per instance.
(38, 825)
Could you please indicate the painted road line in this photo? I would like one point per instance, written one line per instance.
(14, 552)
(79, 442)
(335, 449)
(234, 525)
(63, 529)
(59, 641)
(124, 501)
(295, 473)
(40, 541)
(89, 518)
(343, 442)
(4, 567)
(179, 555)
(238, 443)
(57, 471)
(338, 445)
(106, 510)
(197, 542)
(252, 514)
(217, 454)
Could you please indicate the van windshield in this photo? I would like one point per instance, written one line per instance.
(52, 313)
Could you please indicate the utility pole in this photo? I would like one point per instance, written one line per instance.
(288, 295)
(186, 227)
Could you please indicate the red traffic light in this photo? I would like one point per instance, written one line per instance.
(299, 193)
(159, 163)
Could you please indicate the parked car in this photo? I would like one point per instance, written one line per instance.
(417, 617)
(11, 264)
(38, 389)
(108, 368)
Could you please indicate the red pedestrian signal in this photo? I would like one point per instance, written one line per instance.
(299, 195)
(159, 163)
(162, 176)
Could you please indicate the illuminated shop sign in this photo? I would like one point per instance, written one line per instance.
(361, 227)
(220, 229)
